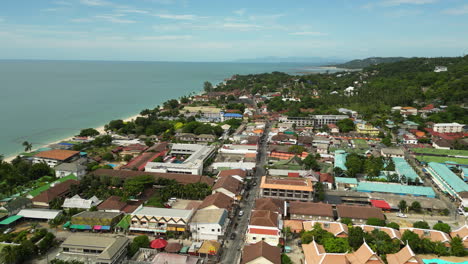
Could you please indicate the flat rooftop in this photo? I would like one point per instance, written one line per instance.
(298, 184)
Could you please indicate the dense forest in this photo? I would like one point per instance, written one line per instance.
(360, 64)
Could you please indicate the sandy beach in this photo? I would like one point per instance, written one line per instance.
(100, 129)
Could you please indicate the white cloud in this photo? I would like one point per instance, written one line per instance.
(240, 12)
(165, 37)
(307, 33)
(81, 20)
(115, 19)
(388, 3)
(64, 3)
(50, 9)
(242, 26)
(463, 10)
(177, 17)
(134, 11)
(95, 2)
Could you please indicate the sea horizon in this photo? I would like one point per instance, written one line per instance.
(48, 100)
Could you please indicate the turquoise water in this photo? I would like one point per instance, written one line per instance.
(44, 101)
(439, 261)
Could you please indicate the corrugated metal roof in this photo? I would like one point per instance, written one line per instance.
(403, 168)
(395, 188)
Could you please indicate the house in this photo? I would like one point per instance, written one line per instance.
(333, 128)
(295, 226)
(440, 69)
(116, 205)
(299, 189)
(410, 139)
(15, 205)
(448, 127)
(80, 203)
(358, 214)
(218, 200)
(336, 228)
(261, 253)
(367, 129)
(234, 172)
(310, 211)
(95, 220)
(160, 220)
(264, 226)
(408, 110)
(392, 233)
(59, 190)
(65, 169)
(327, 180)
(442, 144)
(462, 233)
(315, 253)
(55, 156)
(404, 256)
(209, 224)
(271, 204)
(94, 248)
(228, 185)
(392, 152)
(432, 235)
(322, 148)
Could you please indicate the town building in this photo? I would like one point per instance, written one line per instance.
(261, 253)
(264, 226)
(95, 220)
(191, 165)
(117, 205)
(65, 169)
(271, 204)
(432, 235)
(367, 129)
(94, 249)
(312, 120)
(440, 69)
(308, 211)
(358, 214)
(190, 137)
(80, 203)
(229, 185)
(408, 110)
(59, 190)
(218, 200)
(209, 224)
(404, 256)
(447, 181)
(55, 157)
(160, 220)
(298, 189)
(448, 127)
(338, 229)
(392, 153)
(14, 205)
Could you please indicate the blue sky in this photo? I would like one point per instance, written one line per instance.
(202, 30)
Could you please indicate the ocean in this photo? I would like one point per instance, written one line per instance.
(44, 101)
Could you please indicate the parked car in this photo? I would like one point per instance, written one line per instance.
(402, 215)
(8, 230)
(241, 213)
(233, 236)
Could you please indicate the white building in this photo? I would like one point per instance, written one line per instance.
(440, 69)
(192, 165)
(55, 156)
(312, 120)
(65, 169)
(349, 91)
(448, 127)
(209, 224)
(265, 226)
(80, 203)
(160, 220)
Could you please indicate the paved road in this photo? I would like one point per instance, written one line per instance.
(232, 248)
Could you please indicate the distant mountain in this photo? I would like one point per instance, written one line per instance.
(312, 60)
(360, 64)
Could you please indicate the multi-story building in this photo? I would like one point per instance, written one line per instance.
(310, 211)
(209, 224)
(160, 220)
(448, 127)
(94, 249)
(367, 129)
(264, 226)
(293, 189)
(312, 120)
(55, 156)
(192, 165)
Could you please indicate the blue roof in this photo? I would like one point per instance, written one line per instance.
(346, 180)
(410, 123)
(403, 168)
(465, 171)
(65, 144)
(232, 115)
(395, 189)
(450, 180)
(340, 159)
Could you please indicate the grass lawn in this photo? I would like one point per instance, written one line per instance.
(361, 144)
(442, 159)
(46, 186)
(99, 151)
(446, 152)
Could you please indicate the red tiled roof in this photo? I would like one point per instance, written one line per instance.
(261, 249)
(57, 154)
(381, 204)
(262, 231)
(58, 190)
(232, 172)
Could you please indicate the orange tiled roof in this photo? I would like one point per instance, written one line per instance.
(57, 154)
(289, 184)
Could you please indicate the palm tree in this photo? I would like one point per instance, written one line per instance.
(1, 157)
(9, 255)
(27, 146)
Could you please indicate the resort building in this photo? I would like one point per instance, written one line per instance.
(59, 190)
(204, 112)
(190, 137)
(392, 233)
(65, 169)
(308, 211)
(338, 229)
(264, 226)
(198, 154)
(209, 224)
(404, 256)
(94, 249)
(80, 203)
(358, 214)
(448, 127)
(160, 220)
(315, 253)
(432, 235)
(312, 120)
(291, 189)
(55, 157)
(261, 253)
(447, 181)
(462, 233)
(367, 129)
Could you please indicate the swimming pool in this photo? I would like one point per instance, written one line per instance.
(440, 261)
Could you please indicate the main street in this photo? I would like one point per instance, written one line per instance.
(232, 248)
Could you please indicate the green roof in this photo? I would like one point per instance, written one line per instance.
(346, 180)
(403, 168)
(395, 189)
(10, 219)
(125, 222)
(445, 152)
(46, 186)
(340, 159)
(450, 180)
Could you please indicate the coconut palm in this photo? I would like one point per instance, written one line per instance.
(27, 146)
(9, 255)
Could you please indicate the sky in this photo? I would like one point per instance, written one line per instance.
(222, 30)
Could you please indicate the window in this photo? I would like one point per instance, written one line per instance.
(427, 233)
(212, 230)
(326, 225)
(263, 239)
(66, 249)
(254, 238)
(219, 230)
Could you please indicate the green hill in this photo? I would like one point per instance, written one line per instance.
(360, 64)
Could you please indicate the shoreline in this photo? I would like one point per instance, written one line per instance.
(100, 129)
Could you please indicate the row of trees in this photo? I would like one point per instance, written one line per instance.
(39, 243)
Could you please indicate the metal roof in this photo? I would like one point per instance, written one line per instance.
(39, 213)
(340, 159)
(10, 219)
(443, 174)
(346, 180)
(395, 189)
(403, 168)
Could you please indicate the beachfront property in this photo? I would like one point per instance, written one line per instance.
(317, 121)
(198, 154)
(447, 181)
(65, 169)
(94, 249)
(209, 224)
(160, 220)
(293, 189)
(448, 127)
(55, 157)
(208, 113)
